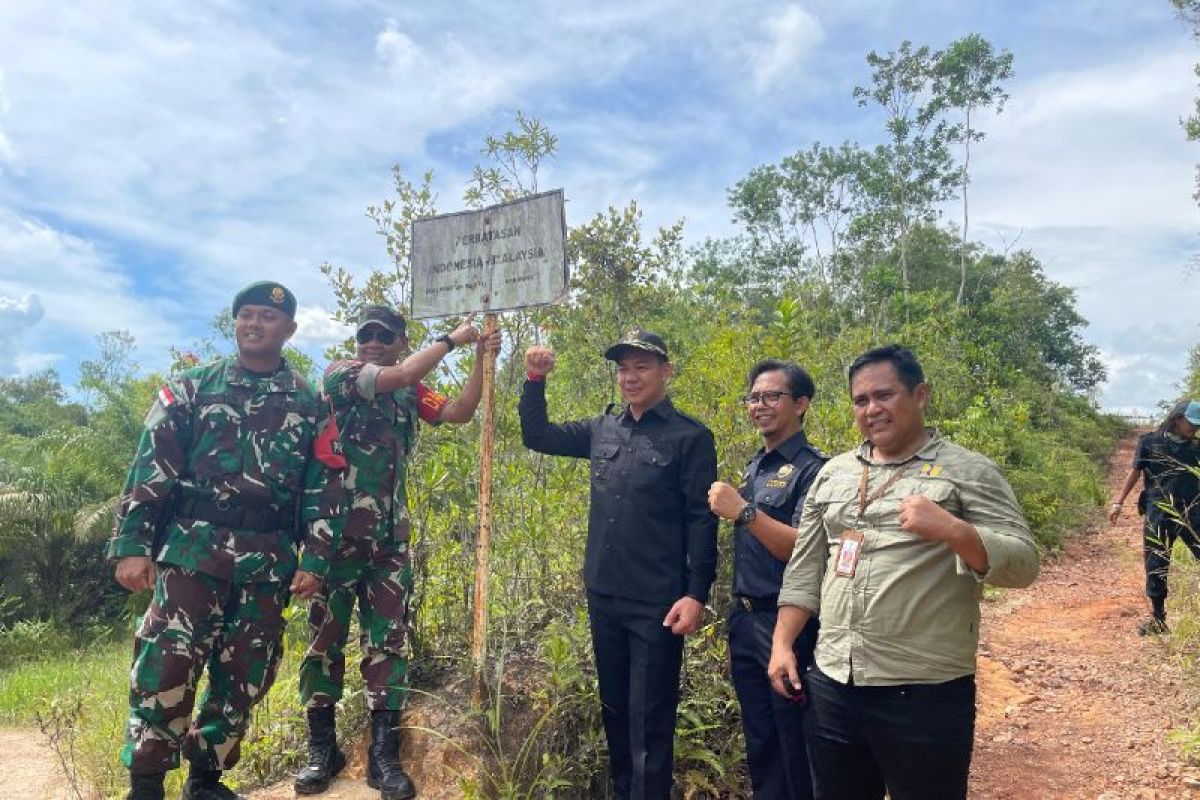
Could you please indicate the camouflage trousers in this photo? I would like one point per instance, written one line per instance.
(194, 621)
(379, 576)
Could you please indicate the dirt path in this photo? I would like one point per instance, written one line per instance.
(1073, 703)
(28, 768)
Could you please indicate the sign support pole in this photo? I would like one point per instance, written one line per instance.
(483, 542)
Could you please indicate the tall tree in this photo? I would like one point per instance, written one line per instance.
(917, 170)
(969, 78)
(802, 204)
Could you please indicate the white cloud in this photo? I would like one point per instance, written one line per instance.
(1095, 146)
(790, 38)
(394, 47)
(27, 363)
(7, 152)
(17, 315)
(316, 330)
(76, 291)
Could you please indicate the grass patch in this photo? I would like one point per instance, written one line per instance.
(1183, 614)
(94, 682)
(100, 670)
(91, 684)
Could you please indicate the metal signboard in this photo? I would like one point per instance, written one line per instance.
(508, 256)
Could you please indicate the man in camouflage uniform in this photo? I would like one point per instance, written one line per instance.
(207, 517)
(377, 400)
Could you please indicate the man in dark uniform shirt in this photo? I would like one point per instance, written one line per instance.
(1167, 461)
(772, 492)
(651, 550)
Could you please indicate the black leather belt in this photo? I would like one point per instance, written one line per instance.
(226, 514)
(758, 603)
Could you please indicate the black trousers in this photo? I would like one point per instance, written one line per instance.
(1158, 537)
(774, 726)
(638, 663)
(913, 740)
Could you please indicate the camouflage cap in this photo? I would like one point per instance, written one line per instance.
(266, 293)
(381, 315)
(638, 339)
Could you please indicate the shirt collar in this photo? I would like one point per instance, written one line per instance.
(928, 451)
(281, 380)
(789, 447)
(663, 408)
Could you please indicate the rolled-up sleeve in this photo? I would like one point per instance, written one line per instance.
(991, 507)
(347, 382)
(806, 568)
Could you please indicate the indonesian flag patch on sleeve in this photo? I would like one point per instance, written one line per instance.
(158, 411)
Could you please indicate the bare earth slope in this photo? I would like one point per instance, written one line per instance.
(1073, 703)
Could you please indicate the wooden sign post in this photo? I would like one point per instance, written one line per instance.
(504, 257)
(483, 542)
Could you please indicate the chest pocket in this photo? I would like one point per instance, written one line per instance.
(216, 435)
(773, 491)
(938, 490)
(282, 431)
(654, 464)
(837, 500)
(603, 457)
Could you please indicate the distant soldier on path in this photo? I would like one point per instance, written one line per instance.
(376, 400)
(1167, 460)
(222, 473)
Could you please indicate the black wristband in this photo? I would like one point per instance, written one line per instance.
(445, 337)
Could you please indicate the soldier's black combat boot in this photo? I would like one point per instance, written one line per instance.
(383, 758)
(325, 760)
(205, 784)
(146, 787)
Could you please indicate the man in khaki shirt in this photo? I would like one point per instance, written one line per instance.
(894, 543)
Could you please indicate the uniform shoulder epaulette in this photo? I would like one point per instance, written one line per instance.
(208, 368)
(816, 451)
(689, 418)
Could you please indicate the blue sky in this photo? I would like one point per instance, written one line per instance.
(154, 157)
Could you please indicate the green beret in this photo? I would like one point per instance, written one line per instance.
(266, 293)
(381, 315)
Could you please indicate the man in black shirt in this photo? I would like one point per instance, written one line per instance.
(763, 510)
(1169, 460)
(651, 550)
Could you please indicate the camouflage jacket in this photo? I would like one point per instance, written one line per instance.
(223, 434)
(377, 434)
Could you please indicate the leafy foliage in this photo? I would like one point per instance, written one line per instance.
(840, 250)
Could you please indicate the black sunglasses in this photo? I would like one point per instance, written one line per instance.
(382, 334)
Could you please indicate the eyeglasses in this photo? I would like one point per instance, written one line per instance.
(768, 399)
(382, 334)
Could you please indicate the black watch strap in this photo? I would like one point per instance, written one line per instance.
(445, 337)
(747, 514)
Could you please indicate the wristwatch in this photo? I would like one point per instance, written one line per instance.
(445, 337)
(747, 514)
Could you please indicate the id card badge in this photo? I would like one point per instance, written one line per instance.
(849, 553)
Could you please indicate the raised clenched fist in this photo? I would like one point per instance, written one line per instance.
(539, 360)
